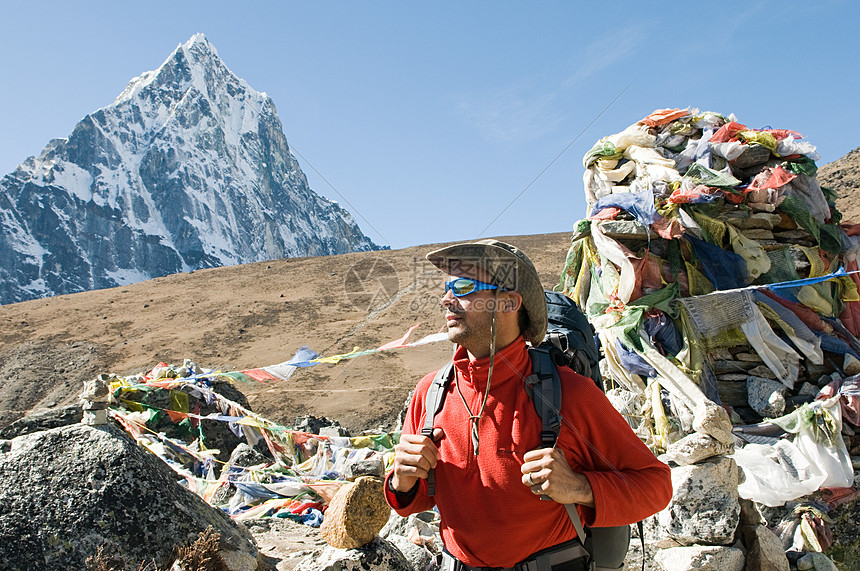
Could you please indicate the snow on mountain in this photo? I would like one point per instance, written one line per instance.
(189, 168)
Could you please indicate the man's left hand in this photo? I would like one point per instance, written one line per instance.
(547, 472)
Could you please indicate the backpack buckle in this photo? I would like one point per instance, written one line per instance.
(547, 438)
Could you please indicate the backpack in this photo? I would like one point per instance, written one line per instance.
(570, 337)
(569, 342)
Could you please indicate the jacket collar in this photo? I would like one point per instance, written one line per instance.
(512, 362)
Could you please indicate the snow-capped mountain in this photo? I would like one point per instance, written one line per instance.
(189, 168)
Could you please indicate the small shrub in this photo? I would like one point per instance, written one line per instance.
(202, 555)
(103, 562)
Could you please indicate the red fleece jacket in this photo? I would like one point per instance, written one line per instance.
(488, 517)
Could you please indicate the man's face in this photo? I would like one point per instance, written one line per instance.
(469, 318)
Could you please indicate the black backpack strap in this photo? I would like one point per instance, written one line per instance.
(544, 388)
(432, 405)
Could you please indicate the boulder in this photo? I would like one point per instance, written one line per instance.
(704, 506)
(419, 558)
(701, 558)
(764, 549)
(427, 523)
(378, 555)
(766, 397)
(421, 529)
(695, 448)
(713, 420)
(817, 562)
(364, 462)
(356, 514)
(67, 491)
(53, 418)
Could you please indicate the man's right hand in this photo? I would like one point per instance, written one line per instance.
(414, 456)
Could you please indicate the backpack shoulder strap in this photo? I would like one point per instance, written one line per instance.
(544, 388)
(433, 402)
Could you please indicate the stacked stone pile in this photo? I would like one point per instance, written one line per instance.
(715, 270)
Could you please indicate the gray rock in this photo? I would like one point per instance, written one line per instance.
(419, 558)
(766, 397)
(701, 558)
(53, 418)
(312, 424)
(851, 365)
(378, 555)
(732, 377)
(751, 514)
(372, 465)
(731, 366)
(764, 549)
(333, 431)
(733, 393)
(244, 455)
(808, 389)
(712, 419)
(762, 371)
(744, 221)
(66, 491)
(694, 448)
(816, 562)
(425, 524)
(758, 234)
(704, 506)
(626, 229)
(748, 357)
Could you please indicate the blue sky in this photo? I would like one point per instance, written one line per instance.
(441, 121)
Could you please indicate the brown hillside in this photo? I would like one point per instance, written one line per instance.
(843, 175)
(248, 316)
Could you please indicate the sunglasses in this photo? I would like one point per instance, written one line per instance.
(464, 286)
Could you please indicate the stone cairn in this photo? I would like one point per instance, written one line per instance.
(687, 212)
(95, 400)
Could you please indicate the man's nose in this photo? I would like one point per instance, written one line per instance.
(448, 300)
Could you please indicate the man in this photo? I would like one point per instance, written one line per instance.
(489, 468)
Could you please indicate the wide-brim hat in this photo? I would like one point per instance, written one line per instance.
(508, 267)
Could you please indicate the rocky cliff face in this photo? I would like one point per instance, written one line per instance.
(189, 168)
(843, 175)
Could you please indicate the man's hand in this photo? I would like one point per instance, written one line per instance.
(547, 472)
(414, 456)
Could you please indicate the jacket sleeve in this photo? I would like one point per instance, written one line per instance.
(628, 481)
(412, 424)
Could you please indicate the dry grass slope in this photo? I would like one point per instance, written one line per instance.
(248, 316)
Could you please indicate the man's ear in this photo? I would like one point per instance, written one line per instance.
(514, 302)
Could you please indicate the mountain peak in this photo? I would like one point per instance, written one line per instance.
(188, 64)
(189, 168)
(199, 38)
(199, 52)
